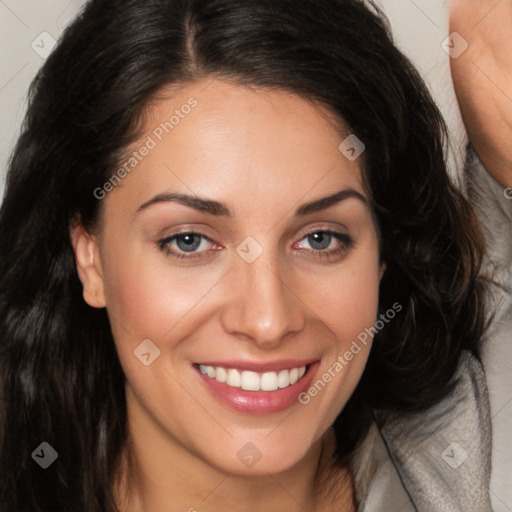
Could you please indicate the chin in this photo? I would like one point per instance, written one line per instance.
(260, 455)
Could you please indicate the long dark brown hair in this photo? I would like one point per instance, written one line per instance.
(60, 378)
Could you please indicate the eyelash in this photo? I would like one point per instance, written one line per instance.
(164, 245)
(346, 243)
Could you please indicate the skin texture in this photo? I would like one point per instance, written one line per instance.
(482, 79)
(262, 153)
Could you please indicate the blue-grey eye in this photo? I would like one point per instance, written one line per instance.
(188, 242)
(319, 240)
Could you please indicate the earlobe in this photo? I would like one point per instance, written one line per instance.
(88, 265)
(383, 267)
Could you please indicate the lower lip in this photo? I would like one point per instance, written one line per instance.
(260, 402)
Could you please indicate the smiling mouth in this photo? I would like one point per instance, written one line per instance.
(254, 381)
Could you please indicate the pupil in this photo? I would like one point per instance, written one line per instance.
(320, 240)
(188, 243)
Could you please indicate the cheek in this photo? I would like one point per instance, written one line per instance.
(347, 300)
(347, 305)
(147, 297)
(355, 311)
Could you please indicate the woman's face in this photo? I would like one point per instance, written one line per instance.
(281, 276)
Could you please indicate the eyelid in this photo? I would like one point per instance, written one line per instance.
(164, 243)
(345, 244)
(343, 238)
(185, 228)
(172, 237)
(317, 229)
(340, 230)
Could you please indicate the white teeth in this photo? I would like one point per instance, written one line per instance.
(269, 381)
(221, 374)
(283, 379)
(234, 378)
(252, 381)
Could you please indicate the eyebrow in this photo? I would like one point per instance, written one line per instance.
(326, 202)
(221, 210)
(202, 205)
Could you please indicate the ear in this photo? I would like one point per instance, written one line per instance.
(88, 265)
(383, 267)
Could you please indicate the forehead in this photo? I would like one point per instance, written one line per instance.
(213, 138)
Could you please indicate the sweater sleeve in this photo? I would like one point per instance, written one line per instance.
(493, 206)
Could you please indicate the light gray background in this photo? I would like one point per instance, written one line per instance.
(21, 22)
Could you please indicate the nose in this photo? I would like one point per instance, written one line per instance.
(264, 308)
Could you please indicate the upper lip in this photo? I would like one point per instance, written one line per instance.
(258, 366)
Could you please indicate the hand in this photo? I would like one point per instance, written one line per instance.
(482, 77)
